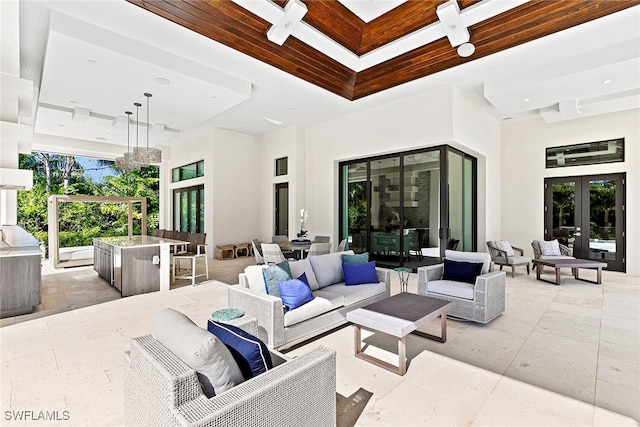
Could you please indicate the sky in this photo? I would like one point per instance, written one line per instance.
(92, 169)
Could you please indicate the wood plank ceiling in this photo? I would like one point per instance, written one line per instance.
(229, 24)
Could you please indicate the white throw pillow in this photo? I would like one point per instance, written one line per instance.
(505, 246)
(550, 247)
(304, 266)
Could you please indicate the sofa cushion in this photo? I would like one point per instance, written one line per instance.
(250, 353)
(461, 271)
(304, 266)
(328, 268)
(482, 257)
(504, 246)
(551, 247)
(315, 307)
(255, 278)
(518, 260)
(274, 274)
(201, 351)
(355, 294)
(295, 293)
(356, 258)
(359, 274)
(452, 288)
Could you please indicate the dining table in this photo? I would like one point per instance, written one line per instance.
(299, 247)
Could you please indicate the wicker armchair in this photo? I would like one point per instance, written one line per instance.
(565, 251)
(501, 257)
(161, 390)
(480, 302)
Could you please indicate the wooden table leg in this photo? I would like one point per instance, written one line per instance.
(557, 276)
(356, 339)
(443, 324)
(538, 271)
(402, 355)
(599, 281)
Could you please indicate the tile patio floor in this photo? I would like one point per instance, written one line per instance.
(559, 356)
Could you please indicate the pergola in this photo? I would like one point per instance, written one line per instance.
(81, 257)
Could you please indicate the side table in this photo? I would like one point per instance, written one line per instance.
(403, 274)
(237, 318)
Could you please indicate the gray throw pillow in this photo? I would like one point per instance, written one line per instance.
(328, 268)
(274, 274)
(204, 353)
(304, 266)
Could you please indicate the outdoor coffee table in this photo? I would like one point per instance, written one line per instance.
(574, 264)
(398, 316)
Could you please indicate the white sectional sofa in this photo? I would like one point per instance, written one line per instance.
(281, 329)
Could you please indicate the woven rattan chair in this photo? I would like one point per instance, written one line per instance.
(322, 239)
(342, 246)
(272, 253)
(161, 390)
(513, 259)
(319, 249)
(257, 251)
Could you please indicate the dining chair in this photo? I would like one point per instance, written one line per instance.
(257, 251)
(283, 239)
(319, 249)
(342, 246)
(322, 239)
(272, 253)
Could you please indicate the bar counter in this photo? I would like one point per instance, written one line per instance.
(134, 265)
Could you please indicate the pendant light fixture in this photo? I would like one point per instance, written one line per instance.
(146, 155)
(127, 162)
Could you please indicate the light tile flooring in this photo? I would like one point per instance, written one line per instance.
(558, 356)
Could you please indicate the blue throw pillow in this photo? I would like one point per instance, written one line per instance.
(295, 293)
(251, 354)
(275, 274)
(359, 274)
(303, 278)
(355, 259)
(461, 271)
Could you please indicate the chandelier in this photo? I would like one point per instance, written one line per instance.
(127, 162)
(145, 155)
(140, 156)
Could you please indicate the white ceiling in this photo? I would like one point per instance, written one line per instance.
(92, 59)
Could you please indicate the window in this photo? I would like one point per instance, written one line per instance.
(590, 153)
(188, 209)
(282, 165)
(193, 170)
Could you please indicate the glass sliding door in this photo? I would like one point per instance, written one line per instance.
(386, 204)
(421, 208)
(458, 227)
(406, 209)
(355, 206)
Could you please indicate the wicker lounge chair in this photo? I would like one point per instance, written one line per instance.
(161, 390)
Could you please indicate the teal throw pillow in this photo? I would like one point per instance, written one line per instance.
(273, 275)
(355, 259)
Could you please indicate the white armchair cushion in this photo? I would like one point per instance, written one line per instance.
(315, 307)
(355, 294)
(451, 288)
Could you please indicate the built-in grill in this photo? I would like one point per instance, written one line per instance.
(20, 271)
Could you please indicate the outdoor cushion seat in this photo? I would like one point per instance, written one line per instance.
(313, 308)
(356, 293)
(452, 288)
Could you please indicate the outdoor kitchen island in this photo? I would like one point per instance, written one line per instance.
(134, 265)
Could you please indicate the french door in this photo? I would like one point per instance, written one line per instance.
(587, 213)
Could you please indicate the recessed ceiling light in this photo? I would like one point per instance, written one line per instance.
(274, 121)
(73, 102)
(91, 61)
(606, 82)
(162, 81)
(527, 99)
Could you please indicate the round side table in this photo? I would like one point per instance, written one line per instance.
(403, 274)
(227, 314)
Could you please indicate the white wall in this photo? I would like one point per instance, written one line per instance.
(288, 142)
(523, 172)
(420, 121)
(231, 193)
